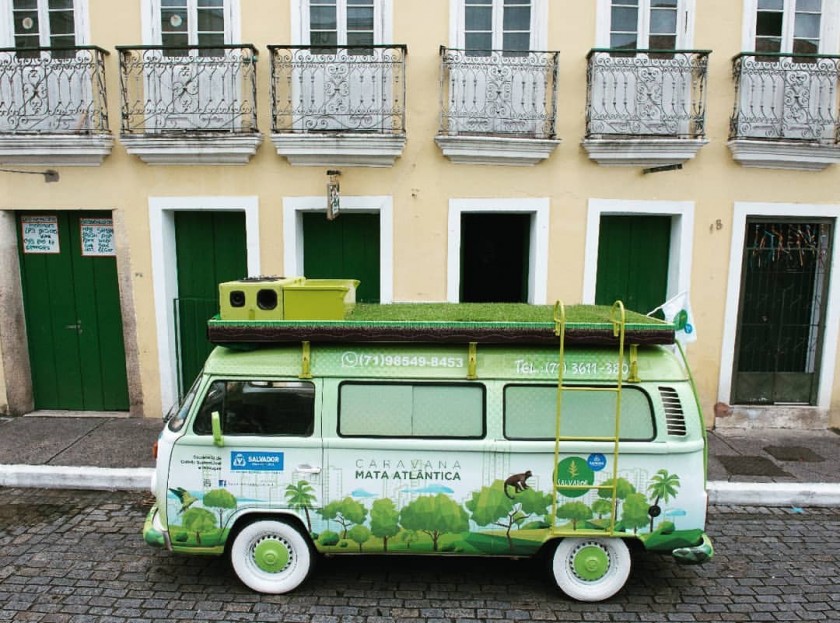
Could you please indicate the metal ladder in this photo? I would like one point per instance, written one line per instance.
(618, 321)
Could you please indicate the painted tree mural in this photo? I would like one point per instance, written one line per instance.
(360, 534)
(198, 520)
(221, 499)
(574, 511)
(491, 505)
(384, 520)
(663, 486)
(301, 496)
(635, 511)
(434, 515)
(346, 512)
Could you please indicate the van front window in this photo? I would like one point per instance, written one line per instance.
(175, 418)
(259, 408)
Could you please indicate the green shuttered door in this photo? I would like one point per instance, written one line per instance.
(346, 248)
(210, 248)
(74, 323)
(633, 261)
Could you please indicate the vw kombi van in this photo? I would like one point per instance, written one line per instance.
(475, 443)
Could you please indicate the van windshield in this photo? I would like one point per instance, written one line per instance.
(178, 413)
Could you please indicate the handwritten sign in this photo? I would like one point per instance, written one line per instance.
(40, 234)
(97, 235)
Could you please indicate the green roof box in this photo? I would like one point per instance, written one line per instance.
(254, 298)
(319, 299)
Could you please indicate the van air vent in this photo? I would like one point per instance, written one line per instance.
(674, 416)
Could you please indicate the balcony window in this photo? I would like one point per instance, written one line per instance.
(786, 95)
(52, 87)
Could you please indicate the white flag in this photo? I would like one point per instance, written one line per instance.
(677, 311)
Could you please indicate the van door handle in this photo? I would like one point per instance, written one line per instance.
(308, 469)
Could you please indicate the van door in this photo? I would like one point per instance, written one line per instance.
(269, 456)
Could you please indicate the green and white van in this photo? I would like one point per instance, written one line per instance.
(411, 445)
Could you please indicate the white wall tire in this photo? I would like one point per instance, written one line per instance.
(591, 569)
(271, 557)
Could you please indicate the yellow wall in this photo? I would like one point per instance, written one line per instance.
(422, 181)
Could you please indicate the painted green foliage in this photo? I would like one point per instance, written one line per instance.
(221, 499)
(198, 520)
(384, 520)
(347, 512)
(635, 511)
(360, 534)
(491, 505)
(435, 515)
(301, 495)
(574, 511)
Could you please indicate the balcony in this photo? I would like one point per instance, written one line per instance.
(189, 105)
(786, 111)
(338, 105)
(645, 107)
(497, 107)
(52, 107)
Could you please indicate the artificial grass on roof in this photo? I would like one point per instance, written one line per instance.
(489, 312)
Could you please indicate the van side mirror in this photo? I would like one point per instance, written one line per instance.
(216, 426)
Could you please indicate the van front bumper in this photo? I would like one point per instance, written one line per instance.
(153, 531)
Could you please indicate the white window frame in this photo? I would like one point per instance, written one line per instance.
(539, 24)
(686, 13)
(165, 270)
(742, 211)
(150, 18)
(538, 208)
(679, 251)
(829, 26)
(382, 22)
(80, 22)
(295, 207)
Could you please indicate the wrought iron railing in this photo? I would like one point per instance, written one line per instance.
(633, 93)
(496, 92)
(338, 89)
(53, 90)
(786, 97)
(188, 89)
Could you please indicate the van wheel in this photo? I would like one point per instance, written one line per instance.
(271, 556)
(591, 569)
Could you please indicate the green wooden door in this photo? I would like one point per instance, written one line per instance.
(345, 248)
(210, 247)
(633, 261)
(73, 318)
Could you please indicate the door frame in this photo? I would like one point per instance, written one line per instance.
(293, 209)
(537, 207)
(741, 212)
(165, 271)
(14, 343)
(679, 253)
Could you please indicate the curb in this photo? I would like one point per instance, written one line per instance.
(774, 493)
(140, 479)
(61, 477)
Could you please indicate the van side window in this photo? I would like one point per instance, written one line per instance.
(259, 408)
(411, 410)
(530, 413)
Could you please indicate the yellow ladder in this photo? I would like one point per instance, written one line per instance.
(618, 320)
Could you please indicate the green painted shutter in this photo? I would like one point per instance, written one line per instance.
(210, 248)
(633, 261)
(74, 324)
(345, 248)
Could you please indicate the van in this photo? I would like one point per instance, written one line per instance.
(474, 444)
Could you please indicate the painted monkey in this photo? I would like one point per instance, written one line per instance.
(517, 481)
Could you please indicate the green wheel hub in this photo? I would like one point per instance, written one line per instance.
(590, 563)
(271, 555)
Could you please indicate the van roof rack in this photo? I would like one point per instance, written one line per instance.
(487, 323)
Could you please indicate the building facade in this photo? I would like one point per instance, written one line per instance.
(485, 150)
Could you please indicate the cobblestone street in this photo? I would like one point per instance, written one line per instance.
(78, 556)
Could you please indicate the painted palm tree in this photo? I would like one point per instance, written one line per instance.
(663, 486)
(301, 495)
